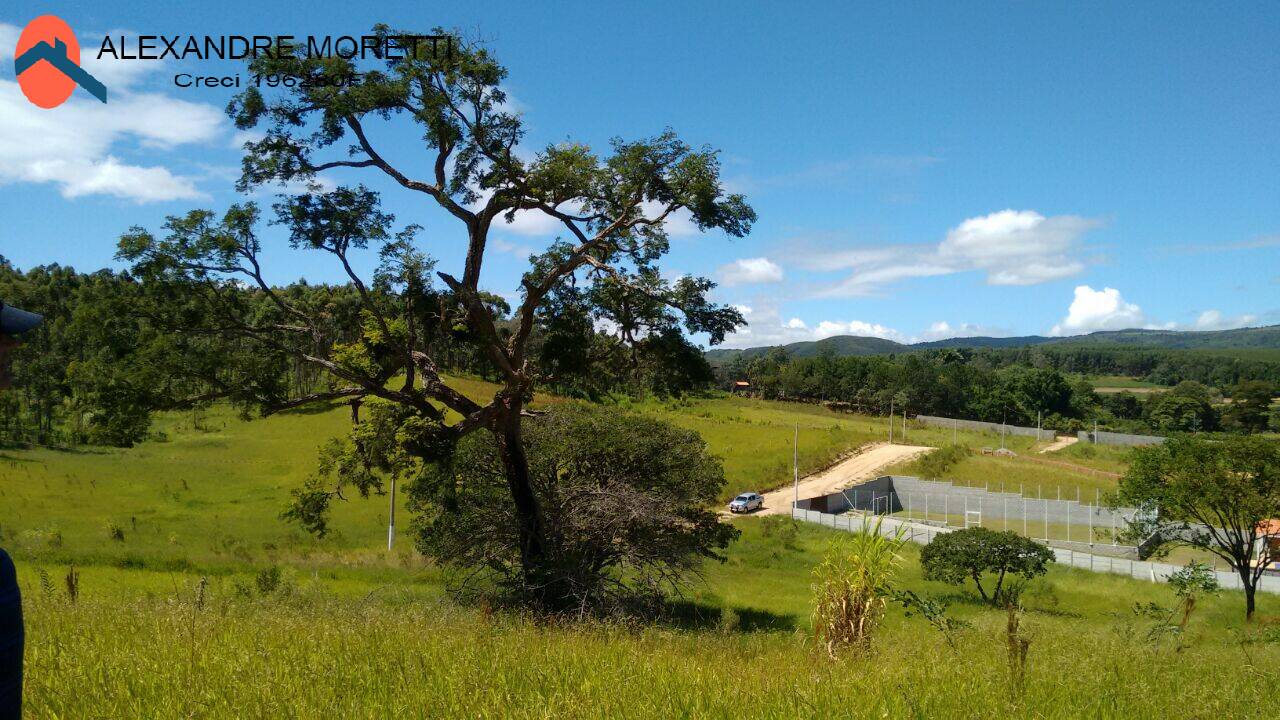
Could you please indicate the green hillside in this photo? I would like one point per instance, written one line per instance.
(1259, 338)
(840, 345)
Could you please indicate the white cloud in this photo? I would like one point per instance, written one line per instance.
(943, 330)
(1094, 310)
(1012, 247)
(79, 146)
(765, 326)
(829, 328)
(1017, 247)
(1215, 320)
(1106, 309)
(503, 246)
(750, 271)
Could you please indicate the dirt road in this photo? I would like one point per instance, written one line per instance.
(870, 460)
(1059, 443)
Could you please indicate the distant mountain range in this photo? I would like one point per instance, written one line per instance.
(842, 345)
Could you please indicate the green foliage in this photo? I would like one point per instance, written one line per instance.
(934, 611)
(937, 464)
(1191, 583)
(851, 587)
(1251, 405)
(1210, 494)
(624, 500)
(969, 554)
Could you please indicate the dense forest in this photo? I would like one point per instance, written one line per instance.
(1021, 385)
(109, 355)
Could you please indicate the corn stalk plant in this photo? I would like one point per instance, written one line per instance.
(852, 586)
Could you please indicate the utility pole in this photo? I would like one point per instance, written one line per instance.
(795, 470)
(890, 421)
(391, 528)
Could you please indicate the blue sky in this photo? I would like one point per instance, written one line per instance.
(919, 170)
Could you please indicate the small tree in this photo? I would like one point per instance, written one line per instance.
(973, 552)
(1211, 495)
(1189, 584)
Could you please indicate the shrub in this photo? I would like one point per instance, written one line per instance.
(267, 580)
(851, 587)
(973, 552)
(938, 463)
(784, 529)
(624, 501)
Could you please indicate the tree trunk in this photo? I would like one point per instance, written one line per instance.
(515, 462)
(977, 580)
(1250, 590)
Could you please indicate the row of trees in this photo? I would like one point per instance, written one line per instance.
(966, 384)
(106, 357)
(1220, 369)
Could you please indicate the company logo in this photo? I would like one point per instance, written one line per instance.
(47, 63)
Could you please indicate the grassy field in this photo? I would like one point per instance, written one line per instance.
(1118, 383)
(209, 493)
(196, 600)
(1080, 471)
(378, 640)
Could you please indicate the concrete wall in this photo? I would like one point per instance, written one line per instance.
(985, 426)
(1102, 437)
(875, 496)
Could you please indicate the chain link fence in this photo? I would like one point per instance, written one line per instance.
(923, 534)
(1069, 524)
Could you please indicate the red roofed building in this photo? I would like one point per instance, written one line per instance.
(1269, 552)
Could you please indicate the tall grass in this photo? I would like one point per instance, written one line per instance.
(156, 645)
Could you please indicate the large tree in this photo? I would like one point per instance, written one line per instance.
(1251, 405)
(611, 209)
(1215, 495)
